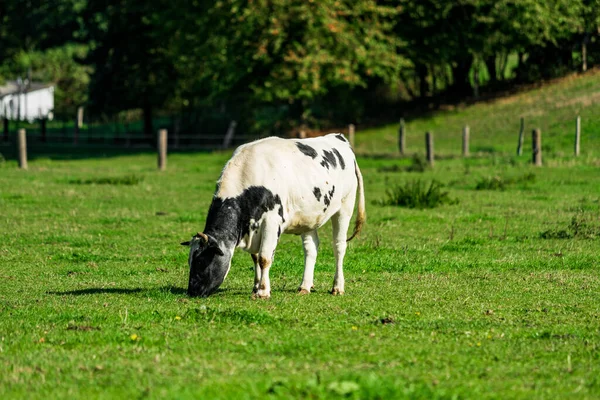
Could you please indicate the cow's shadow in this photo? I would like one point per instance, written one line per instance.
(91, 291)
(178, 291)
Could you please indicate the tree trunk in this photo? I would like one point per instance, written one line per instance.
(503, 62)
(460, 76)
(584, 43)
(490, 63)
(423, 84)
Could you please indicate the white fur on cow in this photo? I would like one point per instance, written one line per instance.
(274, 186)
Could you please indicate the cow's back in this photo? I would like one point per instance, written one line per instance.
(312, 177)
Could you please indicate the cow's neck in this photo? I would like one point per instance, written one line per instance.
(224, 221)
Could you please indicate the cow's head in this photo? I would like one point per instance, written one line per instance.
(208, 265)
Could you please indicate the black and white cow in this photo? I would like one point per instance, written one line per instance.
(274, 186)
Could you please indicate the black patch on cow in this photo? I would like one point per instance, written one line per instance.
(341, 137)
(229, 219)
(278, 231)
(317, 193)
(280, 212)
(307, 150)
(340, 158)
(328, 159)
(327, 198)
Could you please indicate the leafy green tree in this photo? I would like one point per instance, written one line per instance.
(37, 25)
(129, 52)
(286, 52)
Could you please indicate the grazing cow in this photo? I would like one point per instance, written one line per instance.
(274, 186)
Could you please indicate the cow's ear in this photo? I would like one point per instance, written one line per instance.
(219, 251)
(212, 243)
(185, 243)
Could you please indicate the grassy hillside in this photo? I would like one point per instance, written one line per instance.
(495, 124)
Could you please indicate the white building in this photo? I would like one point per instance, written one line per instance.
(26, 101)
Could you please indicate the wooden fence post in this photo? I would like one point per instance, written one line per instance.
(577, 135)
(78, 124)
(402, 137)
(465, 141)
(521, 137)
(429, 148)
(302, 134)
(22, 144)
(229, 135)
(351, 135)
(536, 136)
(162, 149)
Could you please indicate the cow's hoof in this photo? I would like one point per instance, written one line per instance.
(262, 294)
(302, 291)
(337, 292)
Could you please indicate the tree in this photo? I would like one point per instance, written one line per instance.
(130, 55)
(286, 52)
(36, 25)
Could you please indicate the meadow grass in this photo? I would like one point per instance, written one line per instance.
(484, 298)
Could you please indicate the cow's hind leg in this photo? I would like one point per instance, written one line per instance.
(340, 223)
(256, 273)
(310, 243)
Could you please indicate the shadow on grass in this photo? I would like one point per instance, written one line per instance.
(90, 291)
(175, 290)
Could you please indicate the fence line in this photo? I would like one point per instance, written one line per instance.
(199, 141)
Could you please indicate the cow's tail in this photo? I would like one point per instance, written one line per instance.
(361, 217)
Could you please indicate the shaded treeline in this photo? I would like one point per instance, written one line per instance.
(276, 65)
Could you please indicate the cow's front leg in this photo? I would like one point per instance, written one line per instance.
(264, 285)
(270, 236)
(310, 243)
(256, 273)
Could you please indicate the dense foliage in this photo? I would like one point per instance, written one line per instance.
(277, 64)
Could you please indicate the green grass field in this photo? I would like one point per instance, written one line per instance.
(494, 125)
(494, 297)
